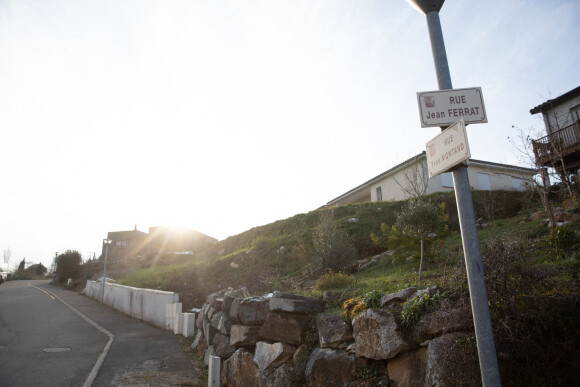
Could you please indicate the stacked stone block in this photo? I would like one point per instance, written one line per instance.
(267, 341)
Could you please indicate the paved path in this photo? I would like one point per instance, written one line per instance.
(31, 320)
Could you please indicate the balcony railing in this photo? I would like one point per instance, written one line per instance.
(557, 145)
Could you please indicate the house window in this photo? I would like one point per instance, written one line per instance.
(121, 244)
(483, 181)
(518, 184)
(447, 180)
(379, 194)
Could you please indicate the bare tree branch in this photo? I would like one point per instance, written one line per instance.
(522, 143)
(416, 180)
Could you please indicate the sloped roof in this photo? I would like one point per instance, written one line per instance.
(128, 233)
(474, 161)
(556, 101)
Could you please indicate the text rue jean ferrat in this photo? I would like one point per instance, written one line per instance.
(455, 112)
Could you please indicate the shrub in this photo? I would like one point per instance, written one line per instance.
(489, 205)
(332, 244)
(537, 330)
(262, 242)
(372, 299)
(393, 239)
(365, 245)
(352, 307)
(37, 270)
(68, 265)
(504, 272)
(371, 372)
(416, 307)
(561, 241)
(332, 280)
(418, 219)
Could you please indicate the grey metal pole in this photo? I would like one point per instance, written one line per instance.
(438, 50)
(104, 273)
(54, 268)
(477, 290)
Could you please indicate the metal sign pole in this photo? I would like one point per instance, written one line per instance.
(477, 290)
(107, 242)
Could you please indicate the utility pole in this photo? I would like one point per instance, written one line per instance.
(471, 249)
(54, 266)
(107, 242)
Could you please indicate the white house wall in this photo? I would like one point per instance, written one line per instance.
(561, 116)
(389, 187)
(501, 178)
(436, 185)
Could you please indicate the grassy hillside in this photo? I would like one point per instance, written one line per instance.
(280, 256)
(531, 274)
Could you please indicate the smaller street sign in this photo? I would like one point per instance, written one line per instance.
(447, 149)
(444, 107)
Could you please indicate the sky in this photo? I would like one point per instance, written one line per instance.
(223, 115)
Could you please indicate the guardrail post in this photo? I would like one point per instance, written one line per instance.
(215, 371)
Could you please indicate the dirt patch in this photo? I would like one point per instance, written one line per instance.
(196, 361)
(155, 379)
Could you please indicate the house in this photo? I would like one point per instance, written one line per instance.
(135, 244)
(177, 239)
(126, 244)
(560, 148)
(411, 176)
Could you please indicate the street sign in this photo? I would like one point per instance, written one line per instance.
(447, 149)
(444, 107)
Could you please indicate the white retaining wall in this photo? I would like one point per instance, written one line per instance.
(188, 324)
(144, 304)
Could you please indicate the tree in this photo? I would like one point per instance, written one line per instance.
(416, 179)
(37, 270)
(418, 219)
(523, 146)
(21, 265)
(68, 265)
(332, 244)
(555, 148)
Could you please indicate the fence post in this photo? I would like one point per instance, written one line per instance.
(215, 371)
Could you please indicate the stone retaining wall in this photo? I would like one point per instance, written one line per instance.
(283, 339)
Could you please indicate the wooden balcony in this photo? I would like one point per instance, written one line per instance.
(563, 144)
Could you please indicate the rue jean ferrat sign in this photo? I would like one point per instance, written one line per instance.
(447, 149)
(444, 107)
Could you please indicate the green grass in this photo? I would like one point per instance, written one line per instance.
(254, 258)
(153, 277)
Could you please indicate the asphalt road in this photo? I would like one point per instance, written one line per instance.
(44, 342)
